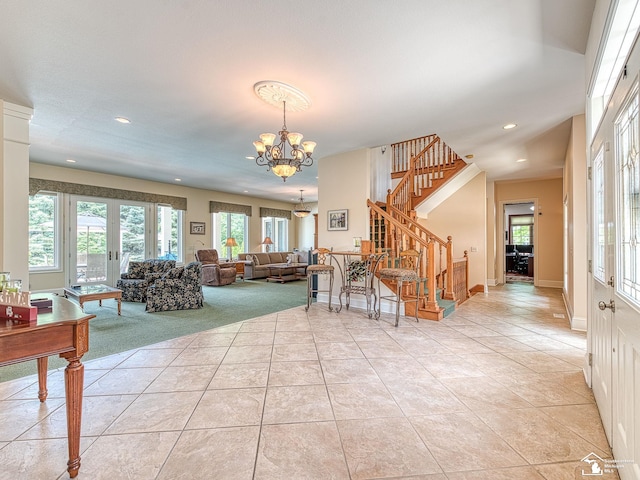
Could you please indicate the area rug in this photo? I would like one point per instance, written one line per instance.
(110, 333)
(518, 279)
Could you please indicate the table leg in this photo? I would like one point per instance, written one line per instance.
(81, 303)
(74, 383)
(119, 305)
(43, 363)
(100, 302)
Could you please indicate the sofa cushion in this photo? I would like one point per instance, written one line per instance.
(136, 270)
(174, 273)
(262, 259)
(278, 257)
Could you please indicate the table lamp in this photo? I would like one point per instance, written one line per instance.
(230, 243)
(267, 241)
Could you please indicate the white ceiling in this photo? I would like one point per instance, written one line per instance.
(377, 72)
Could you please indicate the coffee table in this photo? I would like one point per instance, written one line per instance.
(276, 272)
(87, 293)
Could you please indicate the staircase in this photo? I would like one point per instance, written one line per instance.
(394, 227)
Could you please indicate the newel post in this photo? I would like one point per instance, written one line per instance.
(449, 294)
(432, 303)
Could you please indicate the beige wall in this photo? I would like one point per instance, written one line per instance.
(197, 210)
(344, 183)
(463, 216)
(491, 234)
(547, 196)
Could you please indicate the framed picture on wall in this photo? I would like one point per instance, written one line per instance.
(338, 220)
(196, 228)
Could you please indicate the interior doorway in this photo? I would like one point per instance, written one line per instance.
(519, 242)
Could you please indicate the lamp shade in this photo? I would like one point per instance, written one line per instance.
(267, 241)
(230, 242)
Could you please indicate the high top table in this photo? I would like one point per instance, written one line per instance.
(64, 332)
(357, 271)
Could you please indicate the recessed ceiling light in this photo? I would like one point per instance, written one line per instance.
(178, 179)
(70, 160)
(245, 191)
(520, 160)
(469, 157)
(509, 126)
(122, 120)
(250, 158)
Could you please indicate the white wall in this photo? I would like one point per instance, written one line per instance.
(14, 179)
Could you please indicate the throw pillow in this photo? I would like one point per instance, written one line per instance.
(174, 273)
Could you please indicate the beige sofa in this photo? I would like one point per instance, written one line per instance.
(256, 265)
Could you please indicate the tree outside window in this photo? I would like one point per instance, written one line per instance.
(521, 229)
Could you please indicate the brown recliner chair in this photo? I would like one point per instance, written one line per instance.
(214, 273)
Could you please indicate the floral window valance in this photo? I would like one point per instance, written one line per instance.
(215, 207)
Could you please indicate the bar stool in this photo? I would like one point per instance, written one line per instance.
(316, 270)
(406, 272)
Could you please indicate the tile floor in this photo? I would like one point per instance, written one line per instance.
(494, 391)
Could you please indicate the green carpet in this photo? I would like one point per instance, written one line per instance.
(110, 333)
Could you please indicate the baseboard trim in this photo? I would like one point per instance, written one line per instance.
(492, 282)
(579, 324)
(478, 289)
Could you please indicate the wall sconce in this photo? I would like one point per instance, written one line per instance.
(357, 243)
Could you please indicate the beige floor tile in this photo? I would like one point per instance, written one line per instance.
(423, 397)
(497, 364)
(460, 441)
(14, 387)
(183, 379)
(475, 331)
(200, 356)
(353, 370)
(362, 400)
(294, 325)
(536, 436)
(55, 385)
(295, 373)
(111, 361)
(151, 358)
(265, 326)
(384, 447)
(254, 338)
(502, 344)
(464, 345)
(382, 349)
(212, 339)
(228, 408)
(301, 450)
(541, 390)
(154, 412)
(338, 335)
(233, 456)
(542, 362)
(483, 393)
(573, 471)
(240, 375)
(138, 456)
(297, 404)
(335, 351)
(123, 381)
(97, 414)
(181, 342)
(18, 416)
(449, 366)
(38, 459)
(514, 473)
(583, 420)
(294, 352)
(248, 354)
(290, 338)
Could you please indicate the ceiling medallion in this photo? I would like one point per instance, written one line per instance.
(282, 163)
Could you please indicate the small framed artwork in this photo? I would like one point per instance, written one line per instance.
(196, 228)
(338, 220)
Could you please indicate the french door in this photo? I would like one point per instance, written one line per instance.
(104, 235)
(614, 330)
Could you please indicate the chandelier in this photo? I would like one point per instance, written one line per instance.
(301, 210)
(291, 154)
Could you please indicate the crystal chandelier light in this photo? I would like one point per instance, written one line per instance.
(301, 209)
(291, 154)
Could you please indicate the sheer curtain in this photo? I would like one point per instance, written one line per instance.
(380, 173)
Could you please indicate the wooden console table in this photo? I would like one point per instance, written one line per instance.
(64, 332)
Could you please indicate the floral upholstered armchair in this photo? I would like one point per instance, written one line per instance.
(215, 273)
(136, 279)
(178, 289)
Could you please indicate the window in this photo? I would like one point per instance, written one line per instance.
(230, 225)
(521, 229)
(277, 229)
(44, 232)
(628, 177)
(169, 233)
(598, 207)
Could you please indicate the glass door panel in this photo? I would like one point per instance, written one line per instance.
(89, 235)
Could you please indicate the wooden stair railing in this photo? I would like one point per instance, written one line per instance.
(422, 172)
(399, 237)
